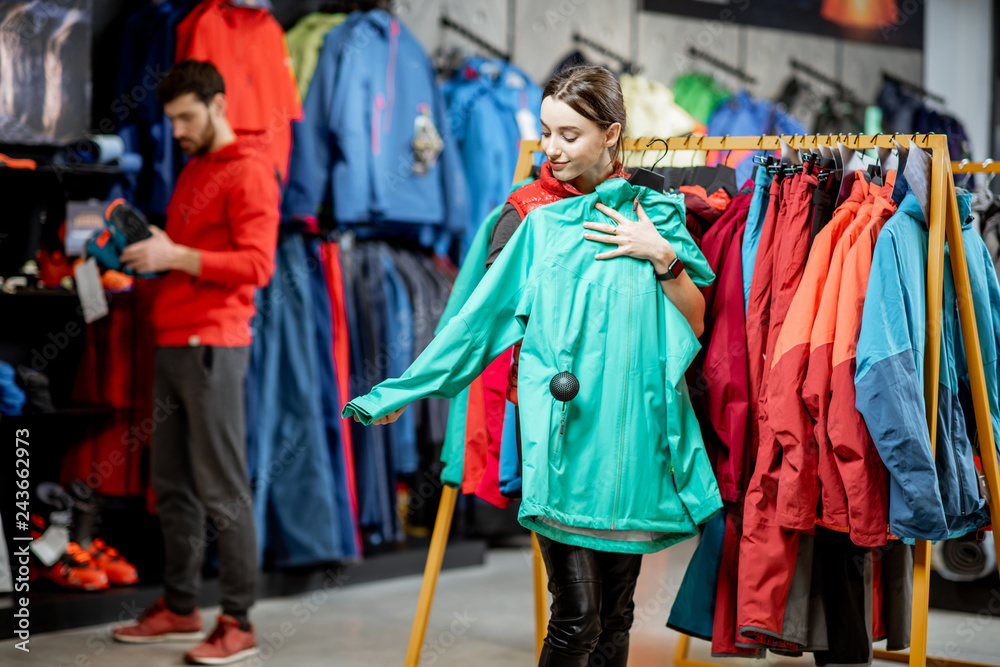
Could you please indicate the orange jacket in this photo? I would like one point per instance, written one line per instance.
(865, 477)
(790, 422)
(816, 387)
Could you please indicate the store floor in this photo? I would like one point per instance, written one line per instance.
(482, 616)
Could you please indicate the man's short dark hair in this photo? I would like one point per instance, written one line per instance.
(191, 76)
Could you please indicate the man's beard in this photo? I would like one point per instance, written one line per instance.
(205, 141)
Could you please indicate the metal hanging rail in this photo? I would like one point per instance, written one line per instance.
(914, 88)
(627, 64)
(451, 24)
(738, 72)
(843, 90)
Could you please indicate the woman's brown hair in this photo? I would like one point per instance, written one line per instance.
(594, 93)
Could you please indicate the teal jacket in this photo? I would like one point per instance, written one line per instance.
(629, 472)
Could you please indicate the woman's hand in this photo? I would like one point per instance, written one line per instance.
(388, 419)
(634, 238)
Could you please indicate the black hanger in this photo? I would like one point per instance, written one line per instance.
(646, 177)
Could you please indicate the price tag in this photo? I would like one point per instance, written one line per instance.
(90, 291)
(51, 545)
(527, 125)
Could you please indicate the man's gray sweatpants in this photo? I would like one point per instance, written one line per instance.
(199, 470)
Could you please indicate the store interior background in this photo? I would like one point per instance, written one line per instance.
(956, 62)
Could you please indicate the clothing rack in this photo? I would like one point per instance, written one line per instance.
(451, 24)
(944, 222)
(969, 167)
(738, 72)
(628, 66)
(914, 88)
(841, 89)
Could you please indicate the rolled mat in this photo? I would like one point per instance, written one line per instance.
(964, 559)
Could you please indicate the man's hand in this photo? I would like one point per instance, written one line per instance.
(159, 253)
(152, 255)
(388, 419)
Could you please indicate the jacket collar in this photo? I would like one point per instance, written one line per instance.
(564, 189)
(615, 191)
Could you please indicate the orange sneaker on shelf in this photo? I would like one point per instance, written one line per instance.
(227, 643)
(75, 569)
(158, 624)
(120, 572)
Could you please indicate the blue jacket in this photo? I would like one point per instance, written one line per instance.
(930, 497)
(355, 144)
(484, 97)
(744, 115)
(299, 499)
(755, 225)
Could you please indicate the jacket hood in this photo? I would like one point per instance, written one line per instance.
(911, 206)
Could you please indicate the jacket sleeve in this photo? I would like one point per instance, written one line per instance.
(692, 471)
(314, 145)
(667, 212)
(889, 385)
(456, 189)
(352, 108)
(252, 206)
(491, 321)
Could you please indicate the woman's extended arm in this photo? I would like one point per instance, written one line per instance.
(639, 239)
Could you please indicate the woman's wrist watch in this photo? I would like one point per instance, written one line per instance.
(675, 269)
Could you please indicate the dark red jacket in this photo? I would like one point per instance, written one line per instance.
(720, 390)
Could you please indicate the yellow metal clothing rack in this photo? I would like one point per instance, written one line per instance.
(944, 223)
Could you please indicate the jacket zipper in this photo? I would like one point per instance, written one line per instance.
(628, 361)
(377, 124)
(390, 74)
(961, 486)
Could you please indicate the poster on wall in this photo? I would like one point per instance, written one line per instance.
(888, 22)
(45, 85)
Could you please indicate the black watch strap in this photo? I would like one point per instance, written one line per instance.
(673, 271)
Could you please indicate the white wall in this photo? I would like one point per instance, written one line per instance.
(958, 64)
(538, 33)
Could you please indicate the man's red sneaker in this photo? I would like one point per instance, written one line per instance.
(157, 624)
(226, 644)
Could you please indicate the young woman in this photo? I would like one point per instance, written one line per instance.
(583, 119)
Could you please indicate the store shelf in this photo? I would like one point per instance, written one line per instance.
(79, 170)
(67, 412)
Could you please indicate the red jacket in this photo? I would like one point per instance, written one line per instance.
(248, 48)
(758, 315)
(225, 204)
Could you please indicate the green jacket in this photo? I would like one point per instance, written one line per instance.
(305, 41)
(472, 271)
(629, 473)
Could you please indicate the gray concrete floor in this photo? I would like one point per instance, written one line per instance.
(482, 616)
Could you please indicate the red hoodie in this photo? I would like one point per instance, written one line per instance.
(225, 204)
